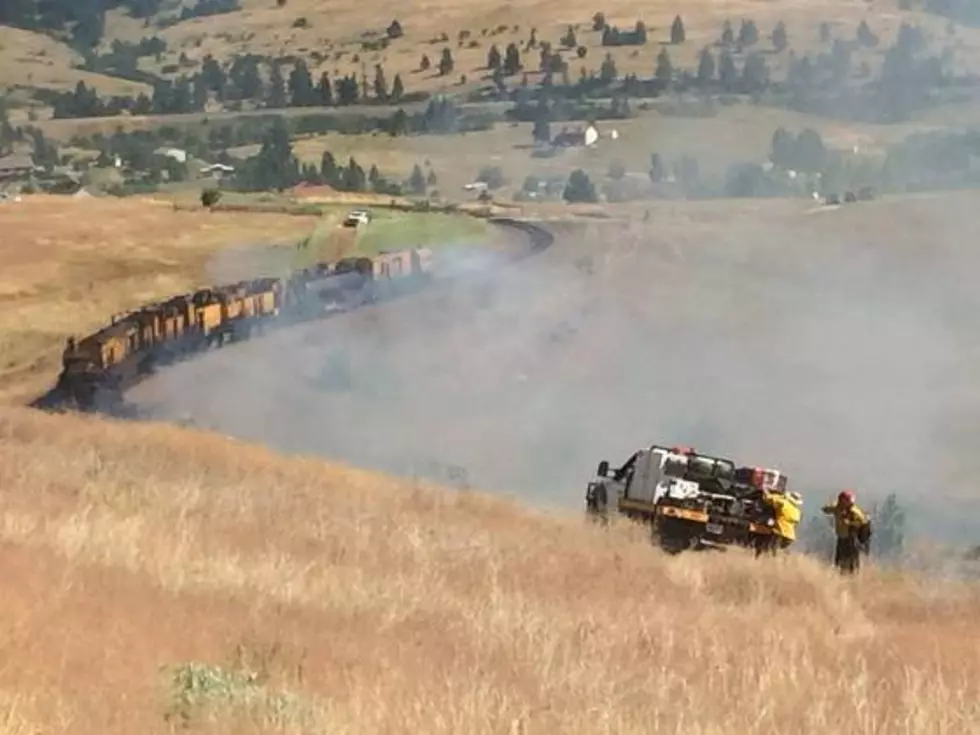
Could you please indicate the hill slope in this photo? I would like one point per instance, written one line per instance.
(381, 606)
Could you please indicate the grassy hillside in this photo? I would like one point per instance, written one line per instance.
(32, 60)
(339, 29)
(150, 570)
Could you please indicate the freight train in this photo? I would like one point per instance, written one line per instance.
(97, 369)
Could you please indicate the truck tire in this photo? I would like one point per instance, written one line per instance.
(672, 537)
(597, 503)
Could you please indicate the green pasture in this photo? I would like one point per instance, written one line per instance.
(388, 230)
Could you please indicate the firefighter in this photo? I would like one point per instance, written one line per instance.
(853, 532)
(787, 511)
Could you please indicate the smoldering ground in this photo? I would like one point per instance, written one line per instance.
(836, 344)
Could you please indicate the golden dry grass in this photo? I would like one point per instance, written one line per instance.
(34, 60)
(70, 263)
(367, 604)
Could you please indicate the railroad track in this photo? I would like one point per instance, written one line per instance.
(59, 398)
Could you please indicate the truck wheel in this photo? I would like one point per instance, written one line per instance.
(597, 503)
(674, 545)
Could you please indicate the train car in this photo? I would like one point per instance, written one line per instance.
(395, 272)
(206, 308)
(329, 287)
(246, 305)
(98, 367)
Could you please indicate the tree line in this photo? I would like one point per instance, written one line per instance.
(242, 80)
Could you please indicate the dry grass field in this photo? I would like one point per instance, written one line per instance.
(33, 60)
(150, 571)
(70, 263)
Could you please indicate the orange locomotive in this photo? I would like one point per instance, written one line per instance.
(99, 367)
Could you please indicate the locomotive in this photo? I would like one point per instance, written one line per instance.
(97, 369)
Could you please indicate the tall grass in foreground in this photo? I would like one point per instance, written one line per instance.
(392, 607)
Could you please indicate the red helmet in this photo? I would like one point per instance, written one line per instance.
(846, 497)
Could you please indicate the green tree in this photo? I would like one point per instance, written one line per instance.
(748, 34)
(353, 177)
(816, 536)
(608, 72)
(727, 35)
(494, 60)
(706, 66)
(446, 63)
(727, 73)
(276, 94)
(579, 188)
(301, 86)
(568, 40)
(329, 171)
(888, 529)
(779, 37)
(416, 182)
(397, 89)
(512, 60)
(380, 84)
(665, 71)
(275, 166)
(755, 73)
(677, 34)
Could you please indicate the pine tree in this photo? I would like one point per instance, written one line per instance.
(353, 177)
(677, 34)
(888, 529)
(275, 166)
(608, 72)
(329, 171)
(706, 66)
(665, 71)
(276, 95)
(493, 58)
(446, 63)
(779, 37)
(568, 40)
(727, 35)
(748, 34)
(579, 188)
(512, 60)
(416, 182)
(397, 89)
(380, 84)
(541, 132)
(301, 86)
(727, 73)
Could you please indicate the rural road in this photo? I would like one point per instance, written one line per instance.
(837, 347)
